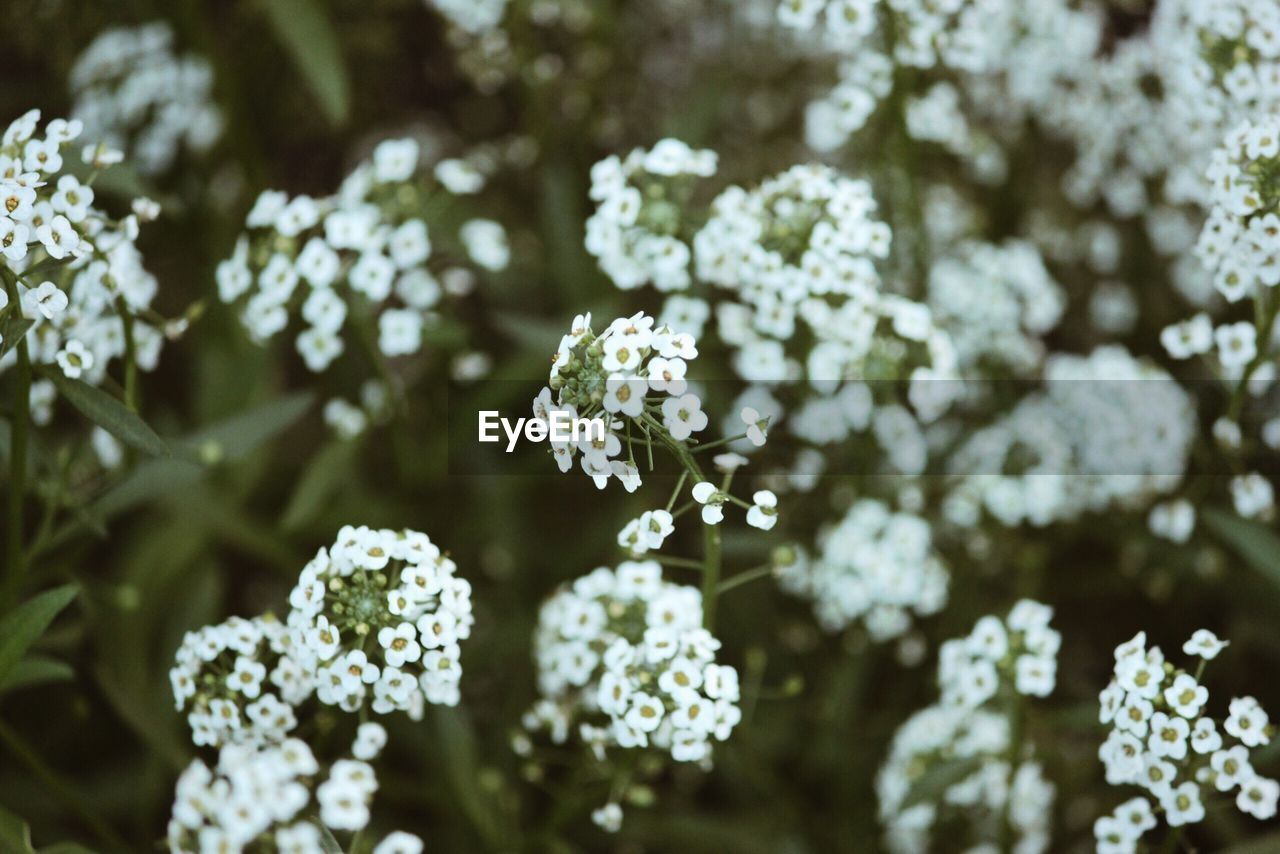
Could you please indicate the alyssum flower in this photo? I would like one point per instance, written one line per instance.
(378, 618)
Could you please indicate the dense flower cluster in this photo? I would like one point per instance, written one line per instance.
(876, 566)
(239, 681)
(632, 377)
(366, 254)
(1122, 428)
(1165, 740)
(637, 228)
(807, 232)
(1019, 653)
(969, 736)
(135, 94)
(622, 654)
(378, 619)
(93, 269)
(996, 303)
(273, 798)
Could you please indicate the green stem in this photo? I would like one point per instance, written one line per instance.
(15, 560)
(130, 356)
(710, 574)
(697, 449)
(746, 577)
(711, 557)
(1265, 309)
(680, 562)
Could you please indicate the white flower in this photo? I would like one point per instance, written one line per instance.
(1182, 805)
(608, 817)
(58, 237)
(1230, 768)
(399, 842)
(75, 359)
(395, 160)
(1168, 736)
(1247, 721)
(1185, 696)
(1205, 644)
(371, 737)
(1257, 797)
(756, 426)
(712, 502)
(1237, 344)
(47, 299)
(764, 510)
(682, 416)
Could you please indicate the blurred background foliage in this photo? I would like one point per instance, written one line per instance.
(90, 742)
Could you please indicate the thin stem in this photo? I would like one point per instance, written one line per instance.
(711, 547)
(746, 577)
(680, 562)
(675, 493)
(130, 356)
(710, 574)
(1264, 321)
(15, 560)
(1008, 836)
(697, 449)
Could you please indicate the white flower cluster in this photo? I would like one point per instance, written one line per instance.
(876, 566)
(378, 619)
(1120, 427)
(1240, 244)
(367, 251)
(239, 681)
(802, 247)
(865, 79)
(135, 94)
(47, 220)
(637, 230)
(276, 798)
(622, 654)
(475, 17)
(632, 376)
(997, 303)
(1019, 652)
(966, 736)
(1164, 740)
(808, 232)
(954, 33)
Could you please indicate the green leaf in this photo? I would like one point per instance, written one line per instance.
(108, 413)
(324, 477)
(236, 437)
(930, 786)
(15, 836)
(307, 35)
(1256, 543)
(66, 848)
(36, 670)
(12, 328)
(327, 843)
(20, 628)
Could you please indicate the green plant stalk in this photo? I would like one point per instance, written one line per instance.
(130, 356)
(15, 559)
(1008, 837)
(1265, 309)
(711, 546)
